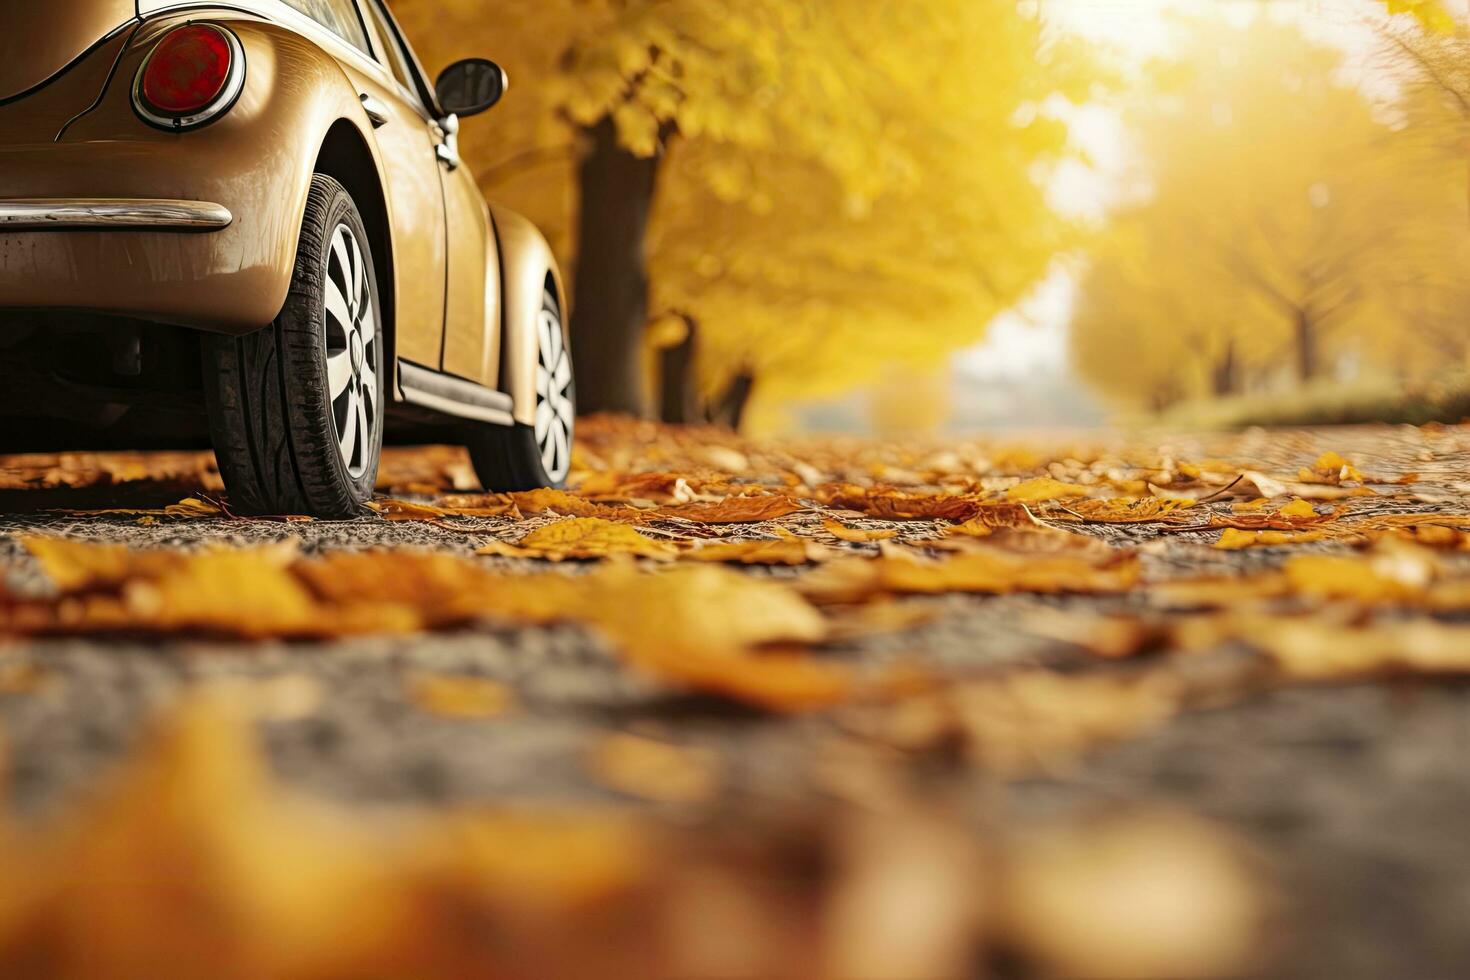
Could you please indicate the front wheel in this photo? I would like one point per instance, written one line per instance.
(527, 457)
(296, 409)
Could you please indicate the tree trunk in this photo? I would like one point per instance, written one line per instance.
(730, 409)
(610, 305)
(678, 397)
(1224, 377)
(1307, 364)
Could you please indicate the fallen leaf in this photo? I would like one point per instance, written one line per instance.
(655, 770)
(736, 510)
(1234, 539)
(1298, 508)
(458, 696)
(21, 677)
(1030, 720)
(1332, 469)
(857, 535)
(993, 517)
(983, 570)
(896, 505)
(783, 551)
(582, 537)
(407, 510)
(1118, 510)
(1134, 895)
(1043, 489)
(1317, 650)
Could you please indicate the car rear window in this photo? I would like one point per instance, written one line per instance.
(338, 16)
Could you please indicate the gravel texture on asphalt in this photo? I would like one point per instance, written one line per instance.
(1353, 798)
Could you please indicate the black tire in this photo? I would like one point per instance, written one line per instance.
(513, 458)
(272, 414)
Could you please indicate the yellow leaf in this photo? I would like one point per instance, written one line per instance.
(654, 770)
(583, 537)
(1298, 508)
(982, 570)
(1234, 539)
(453, 696)
(785, 551)
(1044, 488)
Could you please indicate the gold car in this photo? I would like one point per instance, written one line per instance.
(249, 222)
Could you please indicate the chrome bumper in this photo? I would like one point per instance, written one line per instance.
(45, 214)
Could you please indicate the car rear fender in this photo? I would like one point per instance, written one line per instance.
(256, 160)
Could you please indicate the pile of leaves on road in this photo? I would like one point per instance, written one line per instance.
(741, 570)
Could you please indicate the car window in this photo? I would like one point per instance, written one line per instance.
(403, 57)
(338, 16)
(394, 55)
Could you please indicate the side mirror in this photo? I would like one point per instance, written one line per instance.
(471, 86)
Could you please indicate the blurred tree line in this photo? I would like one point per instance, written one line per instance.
(768, 197)
(1296, 223)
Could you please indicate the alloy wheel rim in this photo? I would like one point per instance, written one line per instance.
(555, 410)
(351, 328)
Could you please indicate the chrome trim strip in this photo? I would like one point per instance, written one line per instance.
(453, 396)
(54, 214)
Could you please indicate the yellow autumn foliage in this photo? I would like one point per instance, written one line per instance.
(843, 184)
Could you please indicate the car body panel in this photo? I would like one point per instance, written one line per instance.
(40, 38)
(470, 350)
(465, 289)
(405, 154)
(527, 263)
(38, 117)
(232, 281)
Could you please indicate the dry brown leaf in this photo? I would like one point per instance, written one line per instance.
(407, 510)
(582, 537)
(993, 517)
(857, 535)
(736, 510)
(1122, 510)
(896, 505)
(1297, 515)
(660, 488)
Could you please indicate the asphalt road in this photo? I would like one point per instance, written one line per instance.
(1352, 797)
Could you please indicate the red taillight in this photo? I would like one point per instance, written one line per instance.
(191, 75)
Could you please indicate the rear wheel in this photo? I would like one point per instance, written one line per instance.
(526, 457)
(296, 409)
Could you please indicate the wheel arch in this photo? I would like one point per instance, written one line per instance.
(345, 156)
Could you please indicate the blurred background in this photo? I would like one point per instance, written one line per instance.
(961, 215)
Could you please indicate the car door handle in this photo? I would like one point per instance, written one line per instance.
(377, 113)
(446, 131)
